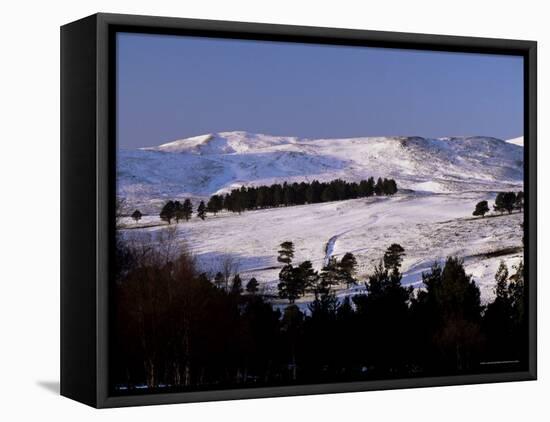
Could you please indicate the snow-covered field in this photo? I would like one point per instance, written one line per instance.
(429, 227)
(440, 182)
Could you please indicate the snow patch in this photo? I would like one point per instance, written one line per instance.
(516, 141)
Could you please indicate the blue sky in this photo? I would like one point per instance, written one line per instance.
(172, 87)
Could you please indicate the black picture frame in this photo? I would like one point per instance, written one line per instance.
(87, 193)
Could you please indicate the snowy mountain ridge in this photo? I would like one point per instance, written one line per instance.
(215, 163)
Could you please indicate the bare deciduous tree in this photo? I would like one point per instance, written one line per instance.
(229, 267)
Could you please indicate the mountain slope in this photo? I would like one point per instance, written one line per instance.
(516, 141)
(203, 165)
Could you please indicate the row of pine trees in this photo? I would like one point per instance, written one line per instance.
(504, 202)
(276, 195)
(288, 194)
(175, 210)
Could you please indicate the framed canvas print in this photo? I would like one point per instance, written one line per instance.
(253, 210)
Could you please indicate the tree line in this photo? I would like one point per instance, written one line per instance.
(177, 211)
(504, 202)
(288, 194)
(176, 329)
(276, 195)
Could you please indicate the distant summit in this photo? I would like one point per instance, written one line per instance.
(223, 143)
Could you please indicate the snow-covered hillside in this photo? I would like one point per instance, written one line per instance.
(214, 163)
(440, 181)
(429, 226)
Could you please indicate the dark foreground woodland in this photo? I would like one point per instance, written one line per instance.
(174, 329)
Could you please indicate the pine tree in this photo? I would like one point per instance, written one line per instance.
(393, 256)
(509, 201)
(482, 208)
(286, 253)
(384, 311)
(516, 292)
(293, 281)
(136, 215)
(288, 194)
(228, 202)
(499, 202)
(345, 310)
(519, 316)
(325, 304)
(215, 204)
(201, 211)
(305, 276)
(288, 288)
(501, 278)
(330, 274)
(347, 268)
(329, 193)
(187, 209)
(292, 326)
(178, 211)
(391, 187)
(379, 187)
(252, 286)
(370, 186)
(168, 211)
(452, 301)
(505, 201)
(237, 285)
(277, 195)
(498, 319)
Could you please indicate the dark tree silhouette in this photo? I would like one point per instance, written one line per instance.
(136, 215)
(252, 286)
(187, 209)
(348, 268)
(292, 328)
(504, 322)
(215, 204)
(237, 285)
(168, 211)
(179, 214)
(305, 276)
(379, 187)
(384, 314)
(330, 274)
(173, 330)
(286, 252)
(288, 194)
(505, 201)
(482, 208)
(201, 211)
(451, 315)
(289, 287)
(393, 256)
